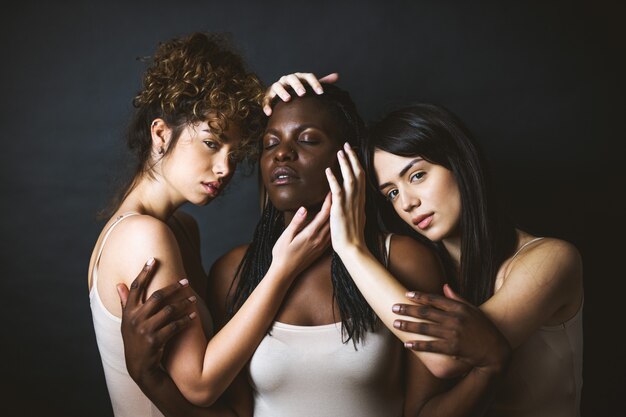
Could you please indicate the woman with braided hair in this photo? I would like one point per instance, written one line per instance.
(197, 115)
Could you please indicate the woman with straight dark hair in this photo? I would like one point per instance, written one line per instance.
(424, 163)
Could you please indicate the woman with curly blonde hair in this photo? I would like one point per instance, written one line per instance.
(198, 114)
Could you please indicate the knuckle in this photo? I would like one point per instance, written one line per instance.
(157, 295)
(168, 309)
(423, 311)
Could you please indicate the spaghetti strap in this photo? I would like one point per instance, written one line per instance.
(94, 272)
(387, 246)
(523, 246)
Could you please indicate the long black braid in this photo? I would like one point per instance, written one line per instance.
(357, 317)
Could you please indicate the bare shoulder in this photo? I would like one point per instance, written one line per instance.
(549, 261)
(133, 241)
(415, 264)
(225, 267)
(144, 233)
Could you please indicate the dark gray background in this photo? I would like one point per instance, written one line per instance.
(540, 84)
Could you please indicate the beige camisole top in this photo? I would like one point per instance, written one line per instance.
(126, 397)
(544, 378)
(307, 371)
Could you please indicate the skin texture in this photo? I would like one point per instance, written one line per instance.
(439, 199)
(306, 147)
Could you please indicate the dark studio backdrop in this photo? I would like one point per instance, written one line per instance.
(540, 84)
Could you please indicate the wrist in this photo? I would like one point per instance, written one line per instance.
(281, 272)
(351, 252)
(499, 362)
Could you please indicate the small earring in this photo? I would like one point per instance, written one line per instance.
(161, 151)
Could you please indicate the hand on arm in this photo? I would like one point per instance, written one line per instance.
(459, 329)
(279, 88)
(146, 328)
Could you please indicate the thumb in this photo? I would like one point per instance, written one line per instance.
(297, 223)
(449, 292)
(122, 291)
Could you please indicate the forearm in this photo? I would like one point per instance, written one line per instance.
(470, 397)
(162, 391)
(231, 348)
(382, 290)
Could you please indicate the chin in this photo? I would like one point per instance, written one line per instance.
(293, 203)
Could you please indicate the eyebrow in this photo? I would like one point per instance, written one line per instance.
(223, 137)
(402, 172)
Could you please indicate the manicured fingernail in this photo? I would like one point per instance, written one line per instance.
(193, 315)
(318, 90)
(150, 262)
(408, 345)
(300, 91)
(396, 324)
(410, 294)
(192, 298)
(301, 211)
(340, 154)
(347, 146)
(395, 308)
(184, 282)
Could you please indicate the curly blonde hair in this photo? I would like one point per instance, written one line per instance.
(189, 80)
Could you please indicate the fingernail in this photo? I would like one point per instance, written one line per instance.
(340, 154)
(300, 91)
(301, 211)
(319, 90)
(395, 308)
(193, 315)
(184, 282)
(396, 324)
(408, 345)
(347, 145)
(192, 298)
(150, 262)
(410, 294)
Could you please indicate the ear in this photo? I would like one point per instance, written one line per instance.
(161, 134)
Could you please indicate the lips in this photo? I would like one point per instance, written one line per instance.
(422, 221)
(212, 188)
(283, 175)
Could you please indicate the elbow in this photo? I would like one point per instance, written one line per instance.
(200, 396)
(443, 366)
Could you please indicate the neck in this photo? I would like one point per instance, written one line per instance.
(453, 246)
(152, 196)
(310, 214)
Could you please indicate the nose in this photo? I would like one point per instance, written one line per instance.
(409, 201)
(285, 152)
(223, 165)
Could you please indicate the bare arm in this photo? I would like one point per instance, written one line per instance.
(380, 287)
(203, 371)
(542, 286)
